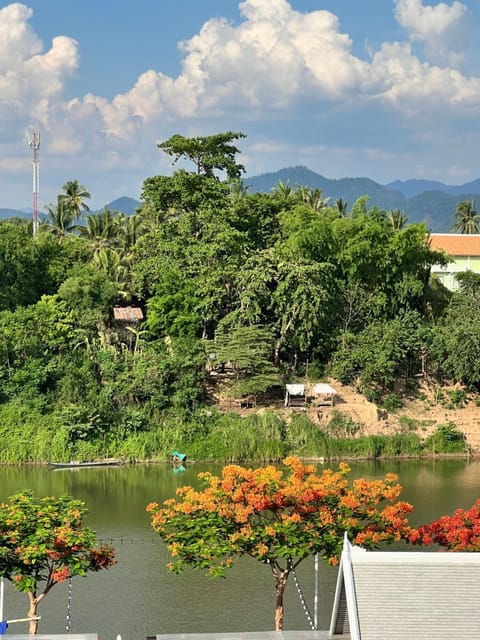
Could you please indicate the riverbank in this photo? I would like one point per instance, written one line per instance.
(430, 423)
(420, 412)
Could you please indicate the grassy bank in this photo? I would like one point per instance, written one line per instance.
(28, 437)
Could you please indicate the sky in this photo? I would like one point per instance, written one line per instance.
(384, 89)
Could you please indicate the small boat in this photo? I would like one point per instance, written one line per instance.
(73, 464)
(178, 458)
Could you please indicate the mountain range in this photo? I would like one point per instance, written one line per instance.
(425, 201)
(124, 204)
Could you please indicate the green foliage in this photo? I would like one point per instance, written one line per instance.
(88, 290)
(24, 267)
(446, 439)
(249, 349)
(466, 219)
(274, 281)
(458, 397)
(208, 153)
(44, 541)
(342, 426)
(383, 351)
(456, 342)
(392, 402)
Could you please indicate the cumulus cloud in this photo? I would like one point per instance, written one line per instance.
(441, 27)
(273, 60)
(29, 77)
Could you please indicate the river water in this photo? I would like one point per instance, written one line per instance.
(139, 597)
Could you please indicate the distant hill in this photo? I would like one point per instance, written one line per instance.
(421, 200)
(125, 205)
(427, 201)
(13, 213)
(412, 188)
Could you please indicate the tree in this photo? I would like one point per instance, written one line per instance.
(459, 532)
(341, 206)
(396, 219)
(61, 219)
(250, 351)
(466, 218)
(208, 153)
(44, 541)
(313, 198)
(279, 517)
(456, 339)
(101, 229)
(74, 196)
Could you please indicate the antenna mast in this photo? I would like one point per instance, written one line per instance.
(34, 144)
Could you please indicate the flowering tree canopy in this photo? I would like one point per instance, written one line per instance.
(460, 532)
(277, 516)
(44, 541)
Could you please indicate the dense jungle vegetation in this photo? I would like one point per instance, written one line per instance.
(265, 281)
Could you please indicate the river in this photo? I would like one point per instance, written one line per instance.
(139, 597)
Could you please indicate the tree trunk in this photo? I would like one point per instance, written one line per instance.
(280, 577)
(32, 612)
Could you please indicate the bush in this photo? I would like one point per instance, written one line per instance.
(392, 402)
(446, 439)
(457, 397)
(342, 426)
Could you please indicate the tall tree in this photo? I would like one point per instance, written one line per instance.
(279, 517)
(44, 541)
(466, 218)
(101, 229)
(208, 153)
(61, 219)
(396, 219)
(340, 206)
(74, 196)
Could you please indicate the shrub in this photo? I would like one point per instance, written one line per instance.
(446, 439)
(392, 402)
(342, 426)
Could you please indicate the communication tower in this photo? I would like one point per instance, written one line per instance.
(34, 144)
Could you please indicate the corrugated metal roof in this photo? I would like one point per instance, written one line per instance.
(127, 314)
(405, 595)
(249, 635)
(455, 244)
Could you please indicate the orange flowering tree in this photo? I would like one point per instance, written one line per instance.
(279, 517)
(44, 541)
(459, 532)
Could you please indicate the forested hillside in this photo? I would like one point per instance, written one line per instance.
(427, 201)
(266, 282)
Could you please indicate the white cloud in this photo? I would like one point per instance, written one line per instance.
(274, 60)
(29, 77)
(441, 27)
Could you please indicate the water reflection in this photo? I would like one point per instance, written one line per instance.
(138, 597)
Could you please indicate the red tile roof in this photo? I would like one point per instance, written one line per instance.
(455, 244)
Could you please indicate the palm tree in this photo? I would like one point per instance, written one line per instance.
(130, 228)
(113, 265)
(466, 218)
(396, 219)
(74, 196)
(284, 191)
(341, 207)
(60, 219)
(101, 229)
(313, 198)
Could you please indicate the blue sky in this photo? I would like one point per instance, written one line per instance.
(387, 89)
